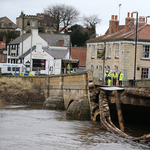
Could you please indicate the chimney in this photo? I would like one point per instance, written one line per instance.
(129, 22)
(141, 21)
(113, 24)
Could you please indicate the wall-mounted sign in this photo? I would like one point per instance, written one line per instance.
(100, 53)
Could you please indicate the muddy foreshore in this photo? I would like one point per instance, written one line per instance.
(18, 91)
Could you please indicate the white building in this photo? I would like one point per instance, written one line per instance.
(46, 49)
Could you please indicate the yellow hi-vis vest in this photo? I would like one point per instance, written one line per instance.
(121, 77)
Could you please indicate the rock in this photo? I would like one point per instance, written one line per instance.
(54, 102)
(79, 110)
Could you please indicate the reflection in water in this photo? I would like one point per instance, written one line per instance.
(28, 128)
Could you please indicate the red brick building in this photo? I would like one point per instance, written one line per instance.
(80, 54)
(3, 54)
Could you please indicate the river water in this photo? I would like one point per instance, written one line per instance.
(27, 128)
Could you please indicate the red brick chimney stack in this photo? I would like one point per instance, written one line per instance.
(113, 24)
(129, 22)
(142, 21)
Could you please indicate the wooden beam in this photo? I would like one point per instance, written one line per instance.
(119, 112)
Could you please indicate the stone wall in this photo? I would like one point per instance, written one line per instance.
(71, 87)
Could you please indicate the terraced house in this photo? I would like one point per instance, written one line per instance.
(119, 45)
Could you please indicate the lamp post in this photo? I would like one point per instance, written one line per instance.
(102, 56)
(135, 46)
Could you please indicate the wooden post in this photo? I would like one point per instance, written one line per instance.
(119, 112)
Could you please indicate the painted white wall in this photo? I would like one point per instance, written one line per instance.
(39, 53)
(35, 39)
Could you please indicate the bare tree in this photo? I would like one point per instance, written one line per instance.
(90, 22)
(62, 14)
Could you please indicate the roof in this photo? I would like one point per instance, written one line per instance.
(21, 38)
(121, 34)
(51, 39)
(6, 23)
(79, 53)
(56, 53)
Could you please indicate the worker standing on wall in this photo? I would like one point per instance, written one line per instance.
(106, 78)
(109, 77)
(115, 76)
(120, 78)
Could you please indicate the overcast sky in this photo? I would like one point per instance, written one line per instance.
(104, 8)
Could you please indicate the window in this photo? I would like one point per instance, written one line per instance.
(109, 51)
(33, 23)
(15, 68)
(92, 68)
(144, 73)
(146, 51)
(117, 50)
(93, 51)
(100, 72)
(9, 69)
(28, 23)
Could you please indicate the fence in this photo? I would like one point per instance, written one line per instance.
(100, 78)
(38, 70)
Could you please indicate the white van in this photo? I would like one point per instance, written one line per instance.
(14, 69)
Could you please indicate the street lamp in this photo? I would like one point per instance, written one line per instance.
(135, 46)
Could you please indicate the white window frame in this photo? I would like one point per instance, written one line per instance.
(93, 51)
(146, 73)
(144, 53)
(109, 51)
(117, 50)
(100, 72)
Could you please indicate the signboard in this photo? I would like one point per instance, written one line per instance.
(100, 54)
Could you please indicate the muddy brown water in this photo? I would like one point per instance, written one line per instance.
(32, 128)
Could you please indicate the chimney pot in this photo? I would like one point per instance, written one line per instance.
(116, 17)
(128, 15)
(143, 19)
(131, 15)
(112, 17)
(140, 19)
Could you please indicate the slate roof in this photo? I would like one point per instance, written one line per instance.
(56, 53)
(19, 39)
(143, 35)
(52, 39)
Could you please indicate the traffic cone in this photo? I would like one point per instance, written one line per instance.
(117, 83)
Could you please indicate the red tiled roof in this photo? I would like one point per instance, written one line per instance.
(79, 53)
(143, 34)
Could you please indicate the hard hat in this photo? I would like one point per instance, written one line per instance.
(120, 70)
(111, 71)
(106, 71)
(114, 70)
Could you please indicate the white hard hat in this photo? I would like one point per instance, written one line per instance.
(110, 70)
(107, 71)
(114, 70)
(120, 70)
